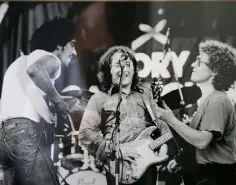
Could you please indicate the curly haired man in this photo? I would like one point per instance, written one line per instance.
(212, 131)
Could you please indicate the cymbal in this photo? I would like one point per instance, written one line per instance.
(190, 95)
(67, 97)
(80, 94)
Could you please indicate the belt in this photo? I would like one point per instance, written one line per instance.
(13, 122)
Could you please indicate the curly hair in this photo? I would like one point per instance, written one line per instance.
(53, 33)
(222, 58)
(104, 67)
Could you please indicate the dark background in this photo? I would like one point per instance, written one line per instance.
(103, 24)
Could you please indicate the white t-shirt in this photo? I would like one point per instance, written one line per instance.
(20, 96)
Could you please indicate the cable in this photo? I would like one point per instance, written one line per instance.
(122, 167)
(63, 178)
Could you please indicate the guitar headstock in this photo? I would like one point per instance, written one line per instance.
(157, 88)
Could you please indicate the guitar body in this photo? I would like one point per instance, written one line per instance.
(134, 171)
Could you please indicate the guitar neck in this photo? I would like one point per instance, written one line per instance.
(159, 141)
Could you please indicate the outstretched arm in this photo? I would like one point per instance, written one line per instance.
(199, 139)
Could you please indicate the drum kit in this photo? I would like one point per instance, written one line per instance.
(74, 164)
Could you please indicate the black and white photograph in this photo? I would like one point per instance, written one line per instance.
(118, 93)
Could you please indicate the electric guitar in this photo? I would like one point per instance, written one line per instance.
(147, 147)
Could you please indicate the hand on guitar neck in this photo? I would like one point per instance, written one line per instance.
(157, 88)
(187, 119)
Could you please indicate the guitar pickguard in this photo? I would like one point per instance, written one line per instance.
(146, 147)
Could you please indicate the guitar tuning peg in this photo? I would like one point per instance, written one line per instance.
(61, 145)
(60, 156)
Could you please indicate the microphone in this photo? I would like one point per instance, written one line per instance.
(21, 52)
(123, 58)
(167, 44)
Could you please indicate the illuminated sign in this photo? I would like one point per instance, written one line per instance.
(154, 64)
(158, 67)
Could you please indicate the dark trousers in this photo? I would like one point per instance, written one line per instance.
(216, 174)
(148, 178)
(23, 150)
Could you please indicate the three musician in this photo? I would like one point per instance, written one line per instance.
(122, 107)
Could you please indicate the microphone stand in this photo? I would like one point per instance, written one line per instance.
(117, 123)
(167, 49)
(182, 102)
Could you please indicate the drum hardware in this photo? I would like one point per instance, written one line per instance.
(75, 165)
(73, 155)
(92, 164)
(86, 159)
(191, 95)
(53, 145)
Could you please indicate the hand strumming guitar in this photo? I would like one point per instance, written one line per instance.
(129, 154)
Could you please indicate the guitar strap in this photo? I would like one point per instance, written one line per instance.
(179, 156)
(147, 104)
